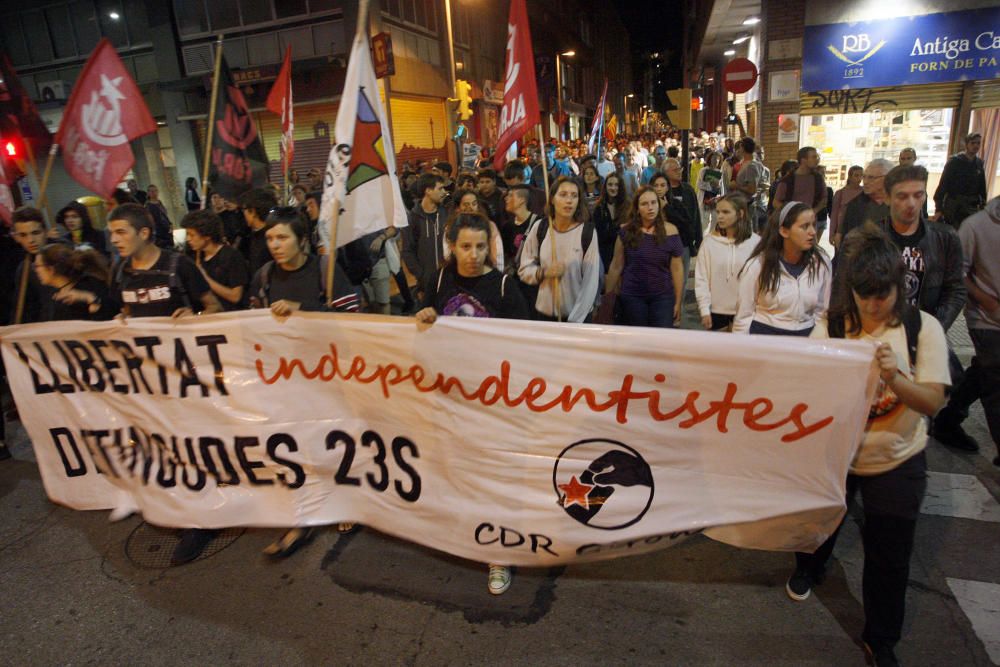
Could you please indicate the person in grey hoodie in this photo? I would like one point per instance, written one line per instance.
(980, 236)
(423, 238)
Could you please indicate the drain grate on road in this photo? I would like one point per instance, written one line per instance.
(150, 547)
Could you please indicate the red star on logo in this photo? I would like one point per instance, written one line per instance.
(576, 493)
(366, 136)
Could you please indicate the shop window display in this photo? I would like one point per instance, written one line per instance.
(848, 139)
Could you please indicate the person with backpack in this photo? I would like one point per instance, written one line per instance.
(223, 266)
(648, 263)
(890, 468)
(150, 281)
(804, 184)
(785, 285)
(295, 280)
(683, 211)
(724, 252)
(468, 286)
(519, 220)
(753, 180)
(564, 262)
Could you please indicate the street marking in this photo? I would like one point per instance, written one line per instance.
(980, 601)
(960, 497)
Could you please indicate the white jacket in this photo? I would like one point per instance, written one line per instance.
(717, 270)
(794, 307)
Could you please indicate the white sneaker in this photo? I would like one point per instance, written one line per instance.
(499, 579)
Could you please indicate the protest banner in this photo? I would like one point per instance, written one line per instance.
(522, 443)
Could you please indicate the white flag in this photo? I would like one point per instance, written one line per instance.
(361, 171)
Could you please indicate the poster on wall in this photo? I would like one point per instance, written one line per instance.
(788, 128)
(783, 86)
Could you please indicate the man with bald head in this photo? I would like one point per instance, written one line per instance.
(870, 205)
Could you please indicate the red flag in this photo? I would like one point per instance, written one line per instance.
(18, 115)
(105, 112)
(6, 198)
(279, 101)
(520, 93)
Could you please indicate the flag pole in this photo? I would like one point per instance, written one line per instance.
(43, 184)
(545, 174)
(211, 122)
(331, 252)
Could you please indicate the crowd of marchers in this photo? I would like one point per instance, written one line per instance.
(560, 235)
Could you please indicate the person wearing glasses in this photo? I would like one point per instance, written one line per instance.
(869, 206)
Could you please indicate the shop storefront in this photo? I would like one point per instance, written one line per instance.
(877, 87)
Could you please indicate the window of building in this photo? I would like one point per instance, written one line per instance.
(137, 21)
(13, 40)
(223, 14)
(84, 25)
(322, 5)
(191, 16)
(421, 13)
(460, 22)
(287, 8)
(37, 36)
(58, 21)
(256, 11)
(111, 19)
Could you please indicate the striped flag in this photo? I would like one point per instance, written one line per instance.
(598, 120)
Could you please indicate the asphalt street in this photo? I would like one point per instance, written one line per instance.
(77, 589)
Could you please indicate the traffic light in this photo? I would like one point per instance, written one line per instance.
(463, 90)
(679, 108)
(12, 153)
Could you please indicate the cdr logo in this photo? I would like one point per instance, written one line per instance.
(603, 484)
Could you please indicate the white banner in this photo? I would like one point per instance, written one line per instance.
(526, 443)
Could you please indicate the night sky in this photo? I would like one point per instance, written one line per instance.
(655, 26)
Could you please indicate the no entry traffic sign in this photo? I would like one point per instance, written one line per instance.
(739, 75)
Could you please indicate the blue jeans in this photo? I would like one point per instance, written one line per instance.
(648, 311)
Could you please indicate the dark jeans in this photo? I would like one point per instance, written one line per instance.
(722, 322)
(981, 382)
(766, 329)
(648, 311)
(891, 506)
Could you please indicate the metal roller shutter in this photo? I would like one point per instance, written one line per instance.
(418, 123)
(863, 100)
(986, 94)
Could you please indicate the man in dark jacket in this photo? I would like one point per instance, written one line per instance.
(932, 252)
(962, 189)
(684, 211)
(871, 205)
(423, 237)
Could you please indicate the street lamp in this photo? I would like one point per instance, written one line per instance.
(559, 91)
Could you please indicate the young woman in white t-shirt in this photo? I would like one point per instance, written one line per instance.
(724, 252)
(890, 468)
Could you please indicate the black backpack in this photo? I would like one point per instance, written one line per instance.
(530, 292)
(911, 326)
(172, 280)
(586, 240)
